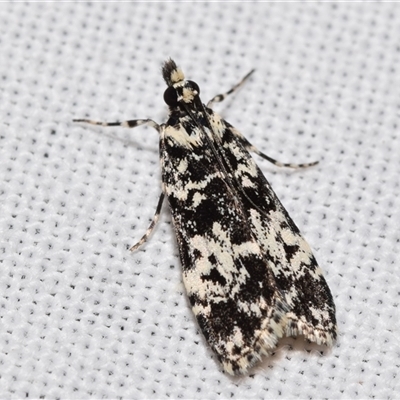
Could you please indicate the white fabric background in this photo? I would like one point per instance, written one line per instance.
(81, 317)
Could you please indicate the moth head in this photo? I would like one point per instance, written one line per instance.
(186, 93)
(179, 90)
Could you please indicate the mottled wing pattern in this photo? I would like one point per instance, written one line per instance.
(243, 258)
(229, 284)
(296, 272)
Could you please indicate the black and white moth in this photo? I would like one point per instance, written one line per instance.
(250, 276)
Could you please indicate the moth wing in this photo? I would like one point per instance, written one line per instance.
(249, 274)
(295, 269)
(229, 282)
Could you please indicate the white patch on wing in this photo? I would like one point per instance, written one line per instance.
(178, 135)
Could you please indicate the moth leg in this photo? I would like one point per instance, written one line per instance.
(278, 163)
(248, 146)
(220, 97)
(152, 224)
(133, 123)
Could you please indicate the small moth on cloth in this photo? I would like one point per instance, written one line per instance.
(250, 276)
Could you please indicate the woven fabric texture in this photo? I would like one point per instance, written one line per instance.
(82, 317)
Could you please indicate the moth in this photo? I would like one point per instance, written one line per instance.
(250, 276)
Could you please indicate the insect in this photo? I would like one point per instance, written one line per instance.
(250, 276)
